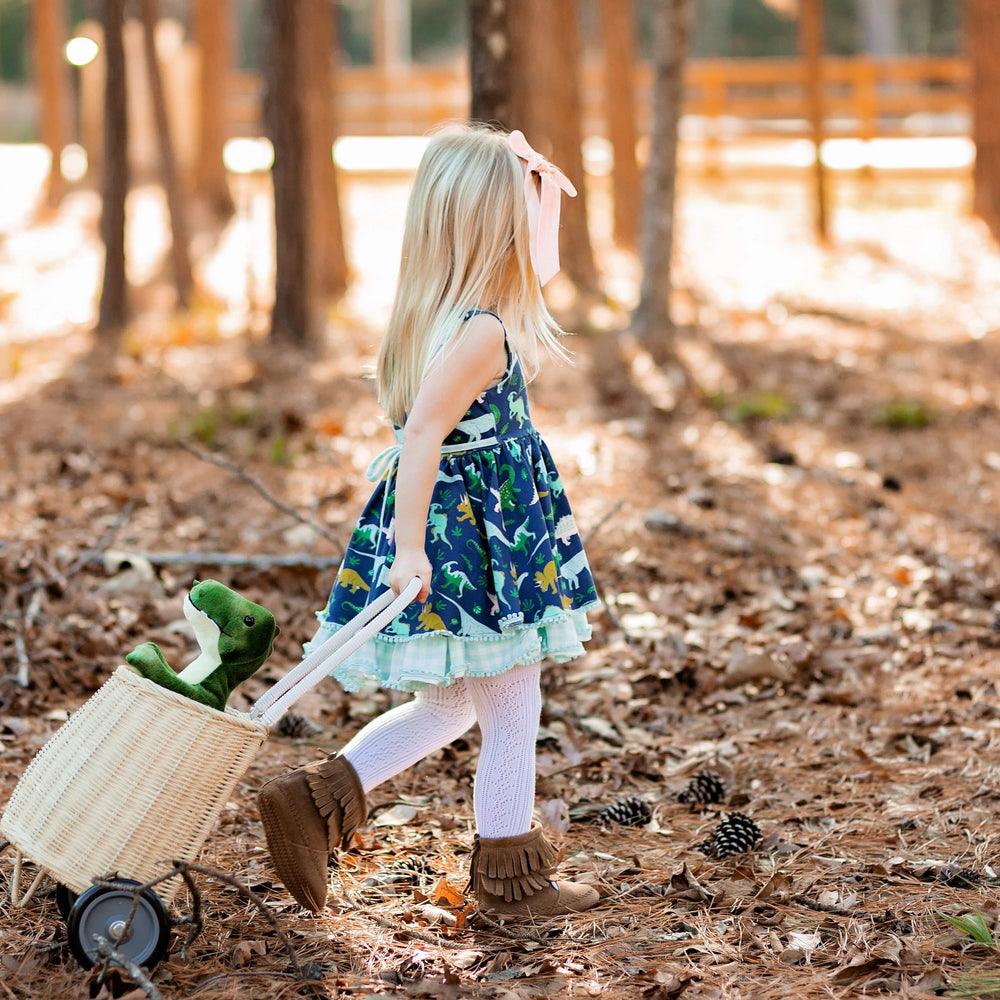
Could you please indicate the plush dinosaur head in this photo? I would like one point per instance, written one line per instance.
(235, 637)
(234, 634)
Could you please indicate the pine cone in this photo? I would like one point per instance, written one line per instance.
(410, 870)
(416, 868)
(736, 834)
(960, 878)
(627, 812)
(705, 788)
(296, 726)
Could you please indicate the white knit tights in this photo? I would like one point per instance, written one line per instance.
(507, 708)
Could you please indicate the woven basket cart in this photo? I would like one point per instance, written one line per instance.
(139, 774)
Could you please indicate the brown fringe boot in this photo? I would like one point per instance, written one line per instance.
(511, 876)
(308, 815)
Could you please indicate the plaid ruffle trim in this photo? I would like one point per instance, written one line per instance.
(438, 659)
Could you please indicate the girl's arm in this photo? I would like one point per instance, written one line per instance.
(477, 360)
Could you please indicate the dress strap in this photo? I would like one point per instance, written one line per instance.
(476, 310)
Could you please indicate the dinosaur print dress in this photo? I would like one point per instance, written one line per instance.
(510, 583)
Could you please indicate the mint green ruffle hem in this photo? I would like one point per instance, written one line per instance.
(417, 662)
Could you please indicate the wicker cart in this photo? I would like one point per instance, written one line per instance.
(138, 775)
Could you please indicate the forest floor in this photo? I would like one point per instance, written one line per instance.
(795, 534)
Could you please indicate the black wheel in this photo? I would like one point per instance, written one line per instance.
(104, 911)
(65, 898)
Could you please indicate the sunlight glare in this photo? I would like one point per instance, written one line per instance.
(248, 156)
(384, 152)
(937, 153)
(25, 168)
(73, 162)
(81, 51)
(598, 156)
(147, 234)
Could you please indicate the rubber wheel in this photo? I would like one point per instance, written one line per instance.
(65, 898)
(103, 911)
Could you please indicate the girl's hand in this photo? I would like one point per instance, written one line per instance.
(408, 564)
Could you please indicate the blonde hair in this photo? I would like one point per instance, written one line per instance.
(465, 244)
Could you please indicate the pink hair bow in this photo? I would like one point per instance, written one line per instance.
(543, 208)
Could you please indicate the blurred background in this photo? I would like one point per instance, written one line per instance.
(827, 99)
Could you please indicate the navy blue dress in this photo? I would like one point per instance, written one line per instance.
(510, 582)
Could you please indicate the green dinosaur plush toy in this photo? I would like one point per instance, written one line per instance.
(235, 637)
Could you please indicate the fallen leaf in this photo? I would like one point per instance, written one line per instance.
(554, 815)
(743, 667)
(446, 894)
(244, 951)
(805, 941)
(683, 885)
(601, 728)
(777, 889)
(466, 959)
(435, 915)
(859, 967)
(398, 815)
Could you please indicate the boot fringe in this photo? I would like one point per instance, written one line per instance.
(512, 867)
(338, 795)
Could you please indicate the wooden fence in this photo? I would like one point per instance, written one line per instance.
(864, 97)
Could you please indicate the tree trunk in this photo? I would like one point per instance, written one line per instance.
(91, 103)
(920, 26)
(113, 311)
(652, 320)
(547, 108)
(490, 61)
(180, 251)
(52, 78)
(715, 28)
(326, 253)
(812, 42)
(880, 20)
(391, 33)
(284, 122)
(982, 33)
(213, 28)
(618, 28)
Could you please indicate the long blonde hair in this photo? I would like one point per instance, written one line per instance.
(465, 244)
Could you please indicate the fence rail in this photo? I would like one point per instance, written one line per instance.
(864, 97)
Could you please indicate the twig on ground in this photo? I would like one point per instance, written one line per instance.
(512, 933)
(232, 559)
(815, 904)
(112, 956)
(24, 625)
(184, 869)
(88, 555)
(608, 605)
(26, 619)
(587, 761)
(241, 473)
(195, 919)
(242, 974)
(392, 925)
(612, 510)
(249, 894)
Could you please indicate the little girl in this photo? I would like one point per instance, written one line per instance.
(470, 502)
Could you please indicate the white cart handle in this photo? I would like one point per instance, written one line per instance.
(273, 704)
